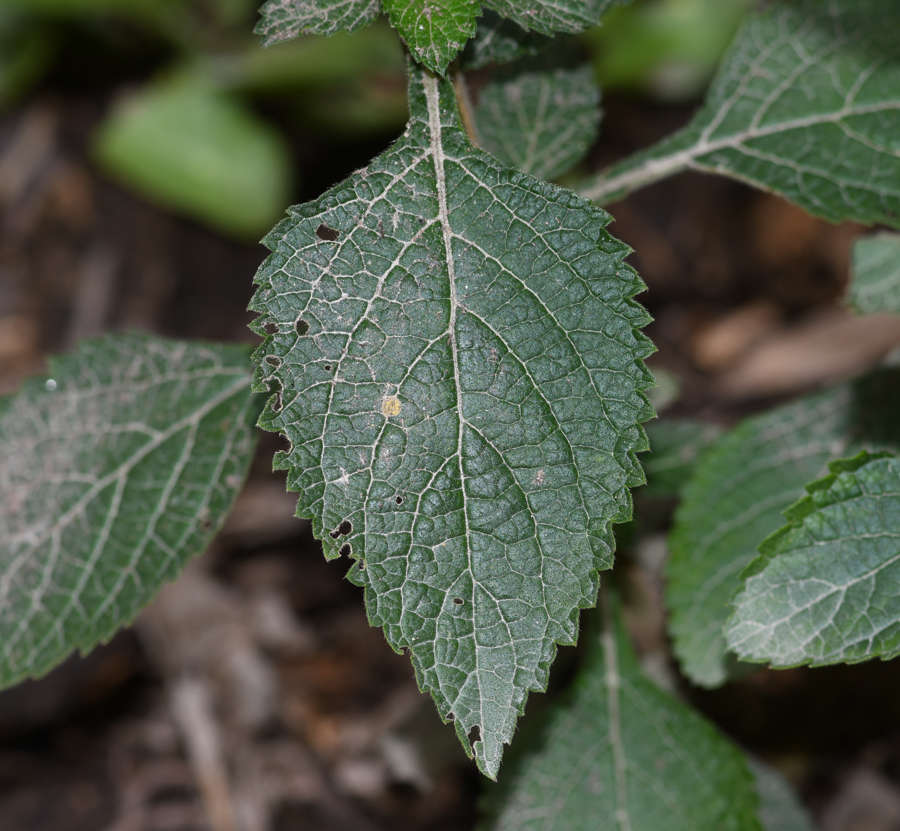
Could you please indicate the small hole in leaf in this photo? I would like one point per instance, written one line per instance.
(346, 550)
(474, 736)
(301, 326)
(271, 328)
(276, 387)
(399, 500)
(342, 530)
(362, 565)
(458, 601)
(326, 233)
(273, 360)
(328, 367)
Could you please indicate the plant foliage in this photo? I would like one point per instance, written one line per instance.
(621, 753)
(826, 587)
(115, 470)
(806, 104)
(737, 496)
(459, 375)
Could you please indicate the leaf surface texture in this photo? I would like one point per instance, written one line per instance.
(806, 104)
(619, 753)
(115, 471)
(286, 19)
(551, 16)
(539, 114)
(875, 283)
(435, 32)
(826, 586)
(737, 497)
(456, 364)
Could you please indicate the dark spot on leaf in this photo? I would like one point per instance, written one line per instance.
(458, 601)
(399, 500)
(362, 565)
(271, 328)
(328, 367)
(206, 524)
(301, 326)
(347, 550)
(326, 233)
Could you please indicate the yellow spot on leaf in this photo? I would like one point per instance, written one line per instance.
(391, 406)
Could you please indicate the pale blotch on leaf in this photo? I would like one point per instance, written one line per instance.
(391, 406)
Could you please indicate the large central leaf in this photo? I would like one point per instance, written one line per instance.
(460, 377)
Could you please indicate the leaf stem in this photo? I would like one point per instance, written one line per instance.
(612, 185)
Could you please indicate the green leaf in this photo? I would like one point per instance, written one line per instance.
(875, 284)
(738, 494)
(806, 104)
(286, 19)
(551, 16)
(435, 32)
(779, 808)
(460, 379)
(826, 586)
(498, 40)
(675, 447)
(114, 471)
(538, 114)
(619, 753)
(201, 152)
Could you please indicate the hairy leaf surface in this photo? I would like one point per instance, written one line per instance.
(538, 114)
(286, 19)
(498, 40)
(460, 377)
(114, 471)
(619, 753)
(875, 285)
(826, 586)
(806, 104)
(435, 32)
(551, 16)
(737, 497)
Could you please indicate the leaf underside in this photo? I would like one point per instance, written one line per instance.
(875, 284)
(618, 752)
(826, 587)
(458, 370)
(287, 19)
(551, 16)
(539, 114)
(806, 104)
(113, 474)
(737, 497)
